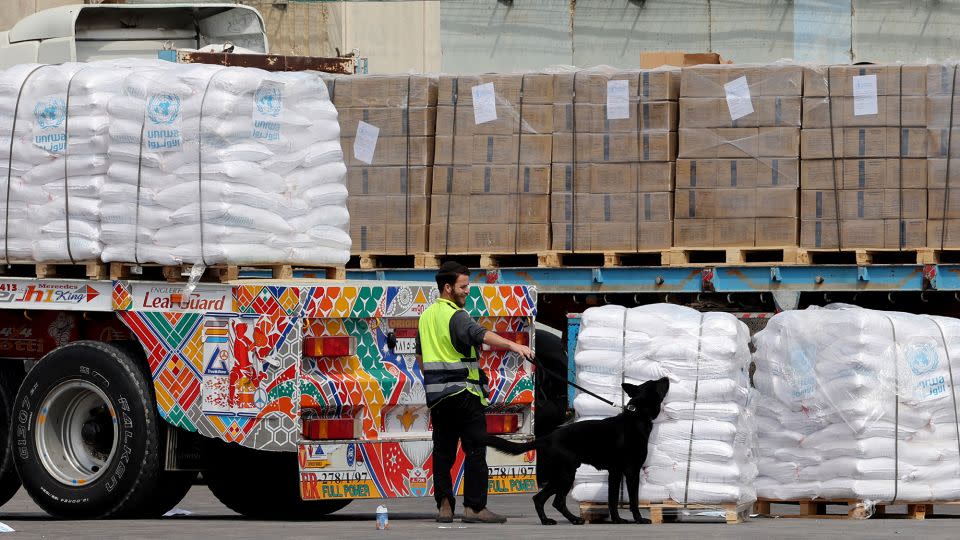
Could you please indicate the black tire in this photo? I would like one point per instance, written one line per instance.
(11, 375)
(131, 473)
(260, 484)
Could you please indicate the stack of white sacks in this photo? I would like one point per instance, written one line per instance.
(704, 423)
(171, 164)
(857, 404)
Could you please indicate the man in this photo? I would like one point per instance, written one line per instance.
(447, 344)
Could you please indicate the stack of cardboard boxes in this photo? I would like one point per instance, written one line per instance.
(863, 150)
(738, 172)
(614, 150)
(491, 189)
(943, 143)
(387, 126)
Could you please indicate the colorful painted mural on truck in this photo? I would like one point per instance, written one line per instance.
(226, 362)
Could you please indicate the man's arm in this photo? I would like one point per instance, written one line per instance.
(419, 353)
(468, 331)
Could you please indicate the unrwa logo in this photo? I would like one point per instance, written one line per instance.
(163, 108)
(269, 101)
(922, 358)
(50, 112)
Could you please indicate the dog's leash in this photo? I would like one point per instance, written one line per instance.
(553, 374)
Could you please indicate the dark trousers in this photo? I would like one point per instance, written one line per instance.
(460, 418)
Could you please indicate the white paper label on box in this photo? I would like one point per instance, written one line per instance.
(365, 144)
(864, 95)
(484, 103)
(738, 98)
(618, 100)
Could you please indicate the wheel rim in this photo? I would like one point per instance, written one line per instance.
(76, 432)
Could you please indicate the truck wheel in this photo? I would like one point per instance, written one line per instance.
(11, 373)
(260, 484)
(86, 434)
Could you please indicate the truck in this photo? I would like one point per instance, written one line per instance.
(291, 396)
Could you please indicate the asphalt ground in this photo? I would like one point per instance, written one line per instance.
(413, 519)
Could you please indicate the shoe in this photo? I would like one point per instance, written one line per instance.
(483, 516)
(446, 513)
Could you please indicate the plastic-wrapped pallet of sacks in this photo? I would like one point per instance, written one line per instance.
(218, 165)
(857, 404)
(56, 164)
(704, 427)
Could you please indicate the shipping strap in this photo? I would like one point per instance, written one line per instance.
(405, 173)
(641, 146)
(901, 226)
(13, 131)
(66, 171)
(516, 229)
(573, 164)
(833, 164)
(946, 191)
(693, 413)
(136, 215)
(203, 101)
(896, 412)
(453, 168)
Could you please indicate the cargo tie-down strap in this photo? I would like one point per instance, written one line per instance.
(693, 413)
(946, 192)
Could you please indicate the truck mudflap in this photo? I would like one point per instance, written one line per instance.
(386, 469)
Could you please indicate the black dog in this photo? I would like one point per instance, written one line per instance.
(617, 444)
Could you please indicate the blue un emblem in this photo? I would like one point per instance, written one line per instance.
(50, 112)
(269, 101)
(923, 358)
(163, 108)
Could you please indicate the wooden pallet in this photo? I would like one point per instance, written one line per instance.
(54, 270)
(733, 255)
(216, 273)
(871, 256)
(479, 260)
(856, 509)
(608, 259)
(662, 512)
(374, 261)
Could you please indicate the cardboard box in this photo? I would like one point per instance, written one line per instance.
(655, 59)
(607, 207)
(591, 85)
(777, 232)
(863, 142)
(710, 233)
(773, 111)
(736, 203)
(738, 173)
(938, 111)
(888, 79)
(896, 111)
(719, 142)
(392, 121)
(538, 88)
(361, 91)
(942, 80)
(939, 238)
(613, 177)
(864, 204)
(875, 173)
(864, 233)
(615, 147)
(936, 207)
(388, 209)
(592, 118)
(490, 238)
(388, 239)
(586, 237)
(762, 80)
(494, 149)
(654, 235)
(941, 144)
(477, 208)
(389, 180)
(937, 173)
(495, 179)
(393, 151)
(779, 142)
(511, 118)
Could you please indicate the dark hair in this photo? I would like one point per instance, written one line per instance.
(449, 272)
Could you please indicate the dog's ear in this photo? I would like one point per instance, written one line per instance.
(630, 389)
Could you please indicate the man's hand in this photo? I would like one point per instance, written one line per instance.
(523, 350)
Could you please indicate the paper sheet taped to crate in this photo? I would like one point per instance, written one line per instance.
(854, 403)
(704, 424)
(155, 162)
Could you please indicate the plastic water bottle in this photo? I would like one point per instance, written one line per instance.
(383, 520)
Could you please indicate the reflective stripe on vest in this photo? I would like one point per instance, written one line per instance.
(445, 370)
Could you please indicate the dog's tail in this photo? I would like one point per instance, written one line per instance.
(509, 447)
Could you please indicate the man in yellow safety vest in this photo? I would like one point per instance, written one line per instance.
(447, 344)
